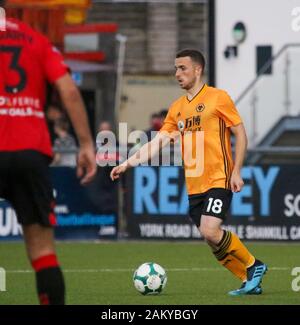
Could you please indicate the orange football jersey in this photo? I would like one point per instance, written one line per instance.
(204, 124)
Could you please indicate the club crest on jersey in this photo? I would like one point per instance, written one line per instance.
(200, 108)
(180, 125)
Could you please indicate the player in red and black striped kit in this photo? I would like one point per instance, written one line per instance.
(27, 63)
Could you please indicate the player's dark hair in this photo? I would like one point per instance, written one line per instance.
(2, 3)
(195, 55)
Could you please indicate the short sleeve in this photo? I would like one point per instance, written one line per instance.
(227, 111)
(170, 124)
(54, 64)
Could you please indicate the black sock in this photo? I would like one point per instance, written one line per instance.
(256, 262)
(50, 286)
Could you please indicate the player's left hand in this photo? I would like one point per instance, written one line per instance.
(86, 164)
(236, 182)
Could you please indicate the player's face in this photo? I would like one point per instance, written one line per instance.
(187, 72)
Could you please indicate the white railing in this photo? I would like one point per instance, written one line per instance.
(271, 96)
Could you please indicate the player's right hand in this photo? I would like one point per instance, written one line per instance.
(86, 164)
(117, 171)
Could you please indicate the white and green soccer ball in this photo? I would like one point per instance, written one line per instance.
(150, 278)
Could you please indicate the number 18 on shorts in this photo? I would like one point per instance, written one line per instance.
(214, 202)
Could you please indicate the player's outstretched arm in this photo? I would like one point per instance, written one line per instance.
(145, 153)
(73, 103)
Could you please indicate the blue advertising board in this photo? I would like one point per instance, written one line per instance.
(82, 212)
(268, 207)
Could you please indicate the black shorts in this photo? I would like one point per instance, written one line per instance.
(214, 202)
(25, 183)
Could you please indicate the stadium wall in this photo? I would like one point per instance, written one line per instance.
(267, 22)
(155, 31)
(144, 95)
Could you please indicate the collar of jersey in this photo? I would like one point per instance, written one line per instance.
(200, 92)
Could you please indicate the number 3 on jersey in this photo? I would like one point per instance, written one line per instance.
(15, 52)
(214, 205)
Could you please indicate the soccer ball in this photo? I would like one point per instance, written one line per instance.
(149, 278)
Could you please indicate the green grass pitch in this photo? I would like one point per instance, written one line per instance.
(101, 273)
